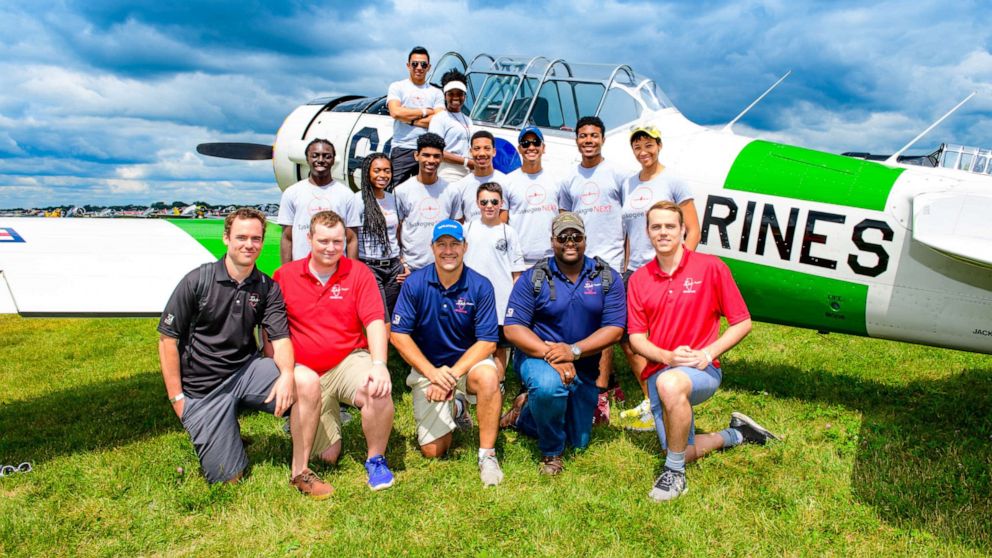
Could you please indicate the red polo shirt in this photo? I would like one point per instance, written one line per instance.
(683, 308)
(326, 321)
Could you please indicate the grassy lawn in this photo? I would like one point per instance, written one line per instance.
(887, 450)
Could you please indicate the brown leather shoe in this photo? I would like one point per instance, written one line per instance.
(551, 465)
(509, 418)
(310, 484)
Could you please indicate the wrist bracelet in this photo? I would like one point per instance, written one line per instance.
(177, 398)
(382, 362)
(709, 357)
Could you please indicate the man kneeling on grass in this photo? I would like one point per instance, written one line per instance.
(329, 300)
(674, 305)
(444, 326)
(212, 366)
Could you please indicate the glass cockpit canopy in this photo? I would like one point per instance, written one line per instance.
(514, 91)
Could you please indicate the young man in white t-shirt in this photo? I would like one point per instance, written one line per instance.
(532, 197)
(595, 193)
(482, 150)
(412, 102)
(422, 201)
(494, 251)
(301, 201)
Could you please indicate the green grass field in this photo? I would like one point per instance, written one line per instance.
(887, 451)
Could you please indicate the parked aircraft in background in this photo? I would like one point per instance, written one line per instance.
(816, 240)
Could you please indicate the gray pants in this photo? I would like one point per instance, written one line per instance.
(212, 420)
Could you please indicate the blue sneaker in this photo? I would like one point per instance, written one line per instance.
(380, 476)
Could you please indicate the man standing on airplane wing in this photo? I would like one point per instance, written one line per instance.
(674, 304)
(212, 365)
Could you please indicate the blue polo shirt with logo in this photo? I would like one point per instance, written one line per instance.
(579, 308)
(444, 323)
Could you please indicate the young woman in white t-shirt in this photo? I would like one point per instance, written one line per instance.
(455, 127)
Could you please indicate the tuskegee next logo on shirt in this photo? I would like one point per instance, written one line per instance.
(462, 304)
(336, 291)
(589, 288)
(689, 285)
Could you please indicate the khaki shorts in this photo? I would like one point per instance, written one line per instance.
(437, 418)
(340, 383)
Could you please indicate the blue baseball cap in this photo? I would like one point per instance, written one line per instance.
(448, 227)
(530, 130)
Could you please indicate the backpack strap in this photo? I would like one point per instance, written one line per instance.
(202, 293)
(542, 274)
(605, 273)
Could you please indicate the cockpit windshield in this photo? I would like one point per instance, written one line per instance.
(513, 92)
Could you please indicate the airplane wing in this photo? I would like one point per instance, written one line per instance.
(104, 267)
(955, 224)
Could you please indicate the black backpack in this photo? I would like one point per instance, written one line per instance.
(542, 273)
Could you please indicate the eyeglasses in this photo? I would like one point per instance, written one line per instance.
(484, 203)
(528, 143)
(571, 237)
(419, 64)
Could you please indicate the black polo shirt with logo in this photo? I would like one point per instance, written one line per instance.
(223, 338)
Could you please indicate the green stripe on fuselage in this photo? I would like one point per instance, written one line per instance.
(798, 299)
(793, 172)
(210, 232)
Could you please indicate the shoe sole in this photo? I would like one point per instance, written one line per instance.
(639, 428)
(753, 424)
(378, 487)
(681, 494)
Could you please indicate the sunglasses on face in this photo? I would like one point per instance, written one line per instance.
(570, 237)
(419, 64)
(484, 203)
(528, 143)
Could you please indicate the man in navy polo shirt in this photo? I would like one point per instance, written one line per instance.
(444, 326)
(562, 313)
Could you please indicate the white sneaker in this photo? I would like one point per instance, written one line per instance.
(636, 412)
(489, 470)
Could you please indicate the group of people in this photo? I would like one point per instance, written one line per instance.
(479, 274)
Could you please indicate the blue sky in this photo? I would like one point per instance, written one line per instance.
(104, 102)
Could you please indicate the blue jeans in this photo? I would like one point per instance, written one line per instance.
(555, 412)
(704, 385)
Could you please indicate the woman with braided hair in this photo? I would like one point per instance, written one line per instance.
(372, 215)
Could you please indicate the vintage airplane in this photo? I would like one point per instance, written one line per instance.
(815, 240)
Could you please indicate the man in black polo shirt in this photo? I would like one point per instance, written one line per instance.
(212, 366)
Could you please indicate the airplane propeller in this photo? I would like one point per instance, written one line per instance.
(233, 150)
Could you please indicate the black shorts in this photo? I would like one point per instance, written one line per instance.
(626, 278)
(502, 343)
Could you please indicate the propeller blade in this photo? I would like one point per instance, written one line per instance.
(242, 151)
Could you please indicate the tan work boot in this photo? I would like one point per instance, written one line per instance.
(310, 484)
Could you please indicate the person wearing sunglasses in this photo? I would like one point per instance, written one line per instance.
(454, 127)
(494, 251)
(532, 197)
(595, 192)
(444, 327)
(482, 150)
(412, 102)
(562, 313)
(655, 182)
(675, 304)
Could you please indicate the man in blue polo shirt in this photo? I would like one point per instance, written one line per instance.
(444, 326)
(562, 313)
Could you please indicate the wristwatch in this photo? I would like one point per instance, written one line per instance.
(576, 351)
(177, 398)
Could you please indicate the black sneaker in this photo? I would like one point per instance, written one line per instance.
(669, 486)
(753, 432)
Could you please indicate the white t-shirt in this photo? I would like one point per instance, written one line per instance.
(369, 247)
(596, 195)
(467, 189)
(412, 96)
(532, 200)
(302, 200)
(494, 252)
(455, 128)
(419, 208)
(638, 198)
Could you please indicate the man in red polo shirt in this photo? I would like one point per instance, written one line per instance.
(329, 300)
(674, 305)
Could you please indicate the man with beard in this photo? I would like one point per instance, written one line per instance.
(562, 313)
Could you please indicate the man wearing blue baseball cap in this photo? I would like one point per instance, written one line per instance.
(531, 194)
(444, 325)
